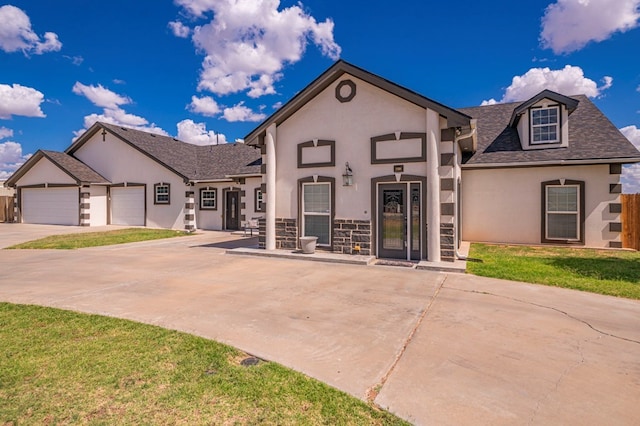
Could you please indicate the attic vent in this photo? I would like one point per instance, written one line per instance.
(152, 135)
(124, 128)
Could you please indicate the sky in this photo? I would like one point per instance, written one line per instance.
(209, 71)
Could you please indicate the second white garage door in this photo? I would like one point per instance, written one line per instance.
(51, 206)
(127, 205)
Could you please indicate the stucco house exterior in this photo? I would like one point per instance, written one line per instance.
(370, 167)
(121, 176)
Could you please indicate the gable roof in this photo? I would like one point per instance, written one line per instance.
(73, 167)
(454, 118)
(592, 139)
(191, 162)
(570, 103)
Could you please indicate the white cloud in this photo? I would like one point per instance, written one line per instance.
(16, 34)
(179, 29)
(5, 133)
(75, 60)
(11, 158)
(248, 42)
(239, 112)
(20, 100)
(100, 96)
(197, 133)
(112, 113)
(205, 105)
(569, 25)
(568, 81)
(631, 173)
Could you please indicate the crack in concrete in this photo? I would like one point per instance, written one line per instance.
(604, 333)
(562, 376)
(372, 393)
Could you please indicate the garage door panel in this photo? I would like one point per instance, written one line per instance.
(51, 206)
(127, 206)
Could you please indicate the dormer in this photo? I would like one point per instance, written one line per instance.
(543, 121)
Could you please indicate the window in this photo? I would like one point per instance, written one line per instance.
(545, 125)
(563, 217)
(316, 211)
(257, 200)
(161, 191)
(208, 199)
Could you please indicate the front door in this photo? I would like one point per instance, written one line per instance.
(232, 210)
(399, 218)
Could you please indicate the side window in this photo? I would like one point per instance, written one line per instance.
(257, 200)
(316, 211)
(161, 193)
(563, 211)
(208, 199)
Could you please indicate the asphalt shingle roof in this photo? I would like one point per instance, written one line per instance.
(194, 162)
(591, 137)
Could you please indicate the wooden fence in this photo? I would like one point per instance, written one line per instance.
(631, 221)
(6, 208)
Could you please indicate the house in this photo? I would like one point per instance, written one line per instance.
(121, 176)
(370, 167)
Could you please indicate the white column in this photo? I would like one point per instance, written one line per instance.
(270, 142)
(433, 187)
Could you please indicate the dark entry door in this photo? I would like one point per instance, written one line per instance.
(399, 218)
(232, 210)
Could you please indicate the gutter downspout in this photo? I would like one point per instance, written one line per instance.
(457, 138)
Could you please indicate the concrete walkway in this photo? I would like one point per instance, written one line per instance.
(433, 348)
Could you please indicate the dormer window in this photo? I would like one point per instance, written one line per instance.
(545, 125)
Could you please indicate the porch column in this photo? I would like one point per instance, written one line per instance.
(85, 207)
(433, 187)
(270, 225)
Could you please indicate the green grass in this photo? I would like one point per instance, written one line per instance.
(615, 273)
(94, 239)
(61, 367)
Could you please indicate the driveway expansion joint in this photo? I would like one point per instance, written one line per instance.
(372, 393)
(604, 333)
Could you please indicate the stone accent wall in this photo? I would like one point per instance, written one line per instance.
(189, 211)
(286, 233)
(348, 233)
(85, 204)
(262, 233)
(447, 243)
(15, 207)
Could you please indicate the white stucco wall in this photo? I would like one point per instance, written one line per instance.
(118, 162)
(44, 171)
(98, 205)
(504, 205)
(372, 112)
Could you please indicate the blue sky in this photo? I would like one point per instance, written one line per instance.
(207, 70)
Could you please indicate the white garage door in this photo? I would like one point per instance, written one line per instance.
(51, 206)
(127, 206)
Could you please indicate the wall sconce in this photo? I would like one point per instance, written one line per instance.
(347, 177)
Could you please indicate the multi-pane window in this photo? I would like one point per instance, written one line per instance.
(258, 200)
(562, 212)
(316, 211)
(208, 199)
(161, 193)
(545, 125)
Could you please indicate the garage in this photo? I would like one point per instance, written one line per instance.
(51, 206)
(128, 206)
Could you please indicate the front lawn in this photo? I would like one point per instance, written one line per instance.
(611, 272)
(94, 239)
(61, 367)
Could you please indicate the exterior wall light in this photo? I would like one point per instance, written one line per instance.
(347, 177)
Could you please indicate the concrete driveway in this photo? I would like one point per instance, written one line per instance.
(431, 347)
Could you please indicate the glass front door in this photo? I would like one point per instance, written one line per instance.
(232, 210)
(399, 218)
